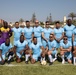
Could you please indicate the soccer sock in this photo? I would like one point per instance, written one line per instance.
(62, 57)
(50, 57)
(42, 58)
(27, 56)
(9, 57)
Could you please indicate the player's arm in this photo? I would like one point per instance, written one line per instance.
(52, 49)
(66, 50)
(62, 36)
(1, 54)
(73, 37)
(44, 37)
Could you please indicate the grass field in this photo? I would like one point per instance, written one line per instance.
(37, 69)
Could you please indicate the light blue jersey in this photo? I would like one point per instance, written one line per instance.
(37, 32)
(17, 33)
(69, 31)
(20, 46)
(74, 32)
(36, 50)
(52, 44)
(47, 32)
(28, 34)
(5, 48)
(66, 46)
(58, 33)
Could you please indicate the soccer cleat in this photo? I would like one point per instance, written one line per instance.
(8, 61)
(26, 62)
(50, 63)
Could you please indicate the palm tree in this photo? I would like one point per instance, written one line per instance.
(72, 15)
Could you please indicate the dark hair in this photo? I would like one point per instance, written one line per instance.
(57, 22)
(47, 22)
(34, 37)
(16, 22)
(27, 21)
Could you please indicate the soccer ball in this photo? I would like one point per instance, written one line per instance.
(43, 62)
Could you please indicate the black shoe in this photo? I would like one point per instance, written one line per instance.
(8, 61)
(26, 62)
(50, 63)
(2, 63)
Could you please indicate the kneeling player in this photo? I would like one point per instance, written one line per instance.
(21, 46)
(6, 49)
(36, 50)
(65, 50)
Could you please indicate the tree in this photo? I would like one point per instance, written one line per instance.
(21, 20)
(33, 18)
(72, 15)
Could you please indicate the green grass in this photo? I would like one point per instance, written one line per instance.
(37, 69)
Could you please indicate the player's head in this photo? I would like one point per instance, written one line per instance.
(5, 24)
(27, 23)
(65, 39)
(35, 40)
(17, 24)
(47, 24)
(36, 23)
(22, 38)
(7, 42)
(57, 23)
(69, 22)
(51, 37)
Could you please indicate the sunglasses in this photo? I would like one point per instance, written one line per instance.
(65, 39)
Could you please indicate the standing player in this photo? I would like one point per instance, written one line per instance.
(52, 48)
(74, 42)
(38, 31)
(28, 32)
(65, 50)
(6, 50)
(46, 33)
(21, 46)
(69, 29)
(17, 32)
(6, 31)
(59, 33)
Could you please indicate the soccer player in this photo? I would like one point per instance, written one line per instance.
(38, 31)
(17, 32)
(28, 32)
(59, 33)
(6, 31)
(1, 38)
(74, 41)
(65, 50)
(6, 49)
(21, 46)
(46, 33)
(68, 28)
(51, 48)
(36, 50)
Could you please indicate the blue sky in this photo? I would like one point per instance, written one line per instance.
(13, 10)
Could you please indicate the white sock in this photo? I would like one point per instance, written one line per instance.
(9, 57)
(62, 57)
(27, 56)
(50, 57)
(42, 58)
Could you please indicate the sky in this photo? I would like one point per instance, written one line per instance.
(13, 10)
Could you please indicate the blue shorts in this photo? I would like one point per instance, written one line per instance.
(19, 55)
(54, 52)
(44, 43)
(74, 43)
(68, 55)
(35, 56)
